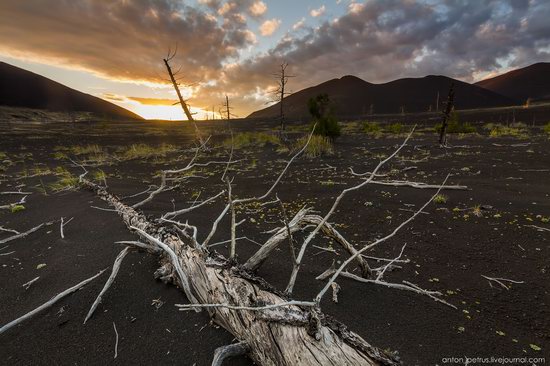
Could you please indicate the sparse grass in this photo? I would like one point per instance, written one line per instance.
(440, 199)
(140, 151)
(252, 138)
(65, 180)
(457, 127)
(514, 130)
(58, 155)
(372, 128)
(85, 149)
(17, 208)
(394, 128)
(318, 146)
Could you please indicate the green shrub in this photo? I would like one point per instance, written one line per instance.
(454, 125)
(326, 123)
(546, 128)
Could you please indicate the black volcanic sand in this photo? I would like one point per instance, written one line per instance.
(449, 247)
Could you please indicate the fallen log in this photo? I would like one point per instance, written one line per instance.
(277, 334)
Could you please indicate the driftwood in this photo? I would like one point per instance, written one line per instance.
(279, 334)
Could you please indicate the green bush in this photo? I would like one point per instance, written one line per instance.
(326, 123)
(547, 128)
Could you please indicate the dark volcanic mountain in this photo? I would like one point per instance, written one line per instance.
(353, 97)
(529, 82)
(22, 88)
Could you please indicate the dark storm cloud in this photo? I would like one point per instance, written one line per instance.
(121, 39)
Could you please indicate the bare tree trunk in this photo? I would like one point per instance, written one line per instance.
(175, 84)
(278, 334)
(446, 115)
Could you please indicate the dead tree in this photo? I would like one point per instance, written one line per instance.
(175, 84)
(280, 93)
(446, 115)
(226, 109)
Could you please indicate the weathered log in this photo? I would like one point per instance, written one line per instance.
(288, 335)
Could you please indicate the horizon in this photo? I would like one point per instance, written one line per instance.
(232, 47)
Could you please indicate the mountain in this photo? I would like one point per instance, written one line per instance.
(521, 84)
(353, 97)
(22, 88)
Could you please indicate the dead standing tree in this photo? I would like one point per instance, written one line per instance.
(280, 93)
(176, 84)
(226, 109)
(446, 115)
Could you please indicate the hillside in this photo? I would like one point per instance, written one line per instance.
(352, 97)
(528, 82)
(22, 88)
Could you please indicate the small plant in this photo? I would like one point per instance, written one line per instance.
(17, 208)
(546, 128)
(440, 199)
(372, 128)
(476, 211)
(395, 128)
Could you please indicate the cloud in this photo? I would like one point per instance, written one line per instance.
(258, 8)
(269, 26)
(123, 40)
(317, 12)
(299, 24)
(153, 101)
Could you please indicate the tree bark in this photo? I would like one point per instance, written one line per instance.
(286, 335)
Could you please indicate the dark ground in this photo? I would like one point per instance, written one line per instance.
(449, 247)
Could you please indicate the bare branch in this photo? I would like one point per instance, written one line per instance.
(312, 235)
(110, 280)
(375, 243)
(49, 303)
(231, 350)
(22, 235)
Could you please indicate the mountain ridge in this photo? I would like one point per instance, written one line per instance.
(26, 89)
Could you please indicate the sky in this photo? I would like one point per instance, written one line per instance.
(113, 49)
